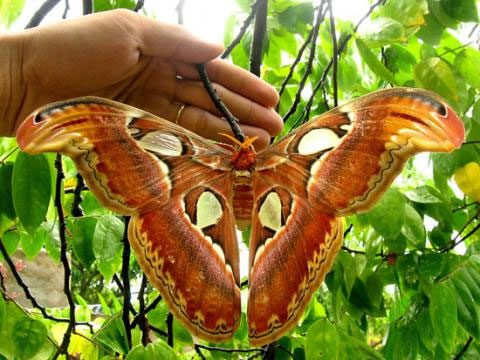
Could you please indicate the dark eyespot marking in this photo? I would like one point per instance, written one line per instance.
(38, 118)
(437, 105)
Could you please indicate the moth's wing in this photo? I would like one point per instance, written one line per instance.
(163, 175)
(338, 164)
(295, 247)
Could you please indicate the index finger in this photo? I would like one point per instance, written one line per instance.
(235, 79)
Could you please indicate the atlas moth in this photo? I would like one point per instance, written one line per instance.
(292, 194)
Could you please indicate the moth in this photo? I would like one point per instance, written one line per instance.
(293, 194)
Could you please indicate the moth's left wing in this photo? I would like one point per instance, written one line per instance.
(338, 164)
(176, 185)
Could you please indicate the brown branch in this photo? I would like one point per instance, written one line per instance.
(295, 63)
(77, 197)
(65, 11)
(247, 22)
(259, 31)
(139, 5)
(27, 292)
(87, 7)
(230, 351)
(170, 329)
(334, 55)
(63, 349)
(126, 283)
(464, 349)
(179, 10)
(40, 14)
(308, 69)
(341, 48)
(232, 120)
(142, 319)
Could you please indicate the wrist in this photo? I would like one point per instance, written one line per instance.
(12, 87)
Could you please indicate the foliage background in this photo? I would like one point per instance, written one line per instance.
(406, 284)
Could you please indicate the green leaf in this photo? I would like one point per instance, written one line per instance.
(157, 350)
(468, 315)
(105, 5)
(295, 17)
(10, 10)
(413, 228)
(408, 12)
(443, 314)
(462, 10)
(424, 195)
(10, 240)
(113, 335)
(32, 244)
(388, 216)
(3, 308)
(81, 240)
(373, 63)
(107, 237)
(29, 336)
(322, 341)
(7, 211)
(31, 189)
(383, 31)
(435, 74)
(468, 63)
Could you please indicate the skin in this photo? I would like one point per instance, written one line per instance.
(136, 60)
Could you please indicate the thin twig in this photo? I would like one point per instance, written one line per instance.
(334, 55)
(464, 349)
(258, 38)
(40, 14)
(170, 329)
(232, 120)
(474, 142)
(455, 244)
(226, 350)
(269, 351)
(139, 5)
(65, 11)
(199, 352)
(295, 62)
(247, 22)
(63, 349)
(341, 48)
(77, 197)
(87, 7)
(308, 69)
(179, 10)
(27, 292)
(143, 323)
(126, 283)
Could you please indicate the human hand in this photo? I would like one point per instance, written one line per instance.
(144, 63)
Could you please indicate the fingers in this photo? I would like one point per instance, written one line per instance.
(196, 119)
(247, 111)
(173, 42)
(210, 126)
(235, 79)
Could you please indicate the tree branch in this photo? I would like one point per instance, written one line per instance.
(63, 349)
(87, 7)
(341, 48)
(77, 197)
(247, 22)
(258, 39)
(139, 5)
(126, 283)
(464, 349)
(170, 329)
(40, 14)
(334, 55)
(232, 120)
(308, 69)
(179, 10)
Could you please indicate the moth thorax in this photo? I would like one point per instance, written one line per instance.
(243, 159)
